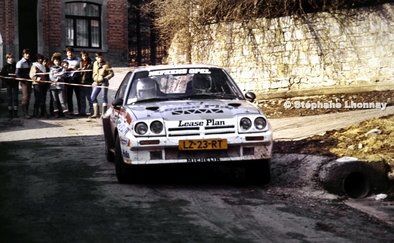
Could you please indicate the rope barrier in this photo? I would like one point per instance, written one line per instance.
(52, 82)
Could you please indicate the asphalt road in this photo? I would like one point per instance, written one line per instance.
(56, 186)
(63, 190)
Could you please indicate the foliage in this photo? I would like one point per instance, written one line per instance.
(172, 16)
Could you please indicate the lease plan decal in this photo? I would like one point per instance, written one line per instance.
(207, 122)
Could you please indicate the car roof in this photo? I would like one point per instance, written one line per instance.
(169, 66)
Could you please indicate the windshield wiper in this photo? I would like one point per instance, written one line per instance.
(213, 95)
(152, 99)
(225, 96)
(201, 96)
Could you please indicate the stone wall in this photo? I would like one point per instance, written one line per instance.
(318, 51)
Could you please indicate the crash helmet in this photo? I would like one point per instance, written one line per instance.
(201, 82)
(146, 88)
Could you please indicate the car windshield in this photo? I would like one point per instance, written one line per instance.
(182, 84)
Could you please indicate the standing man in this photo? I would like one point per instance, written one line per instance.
(56, 75)
(38, 73)
(12, 86)
(102, 73)
(22, 71)
(73, 78)
(86, 79)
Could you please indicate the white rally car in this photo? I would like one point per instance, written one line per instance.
(185, 114)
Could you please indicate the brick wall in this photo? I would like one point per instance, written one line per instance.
(51, 37)
(52, 29)
(117, 24)
(7, 18)
(322, 51)
(117, 32)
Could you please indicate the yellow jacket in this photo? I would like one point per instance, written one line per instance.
(102, 71)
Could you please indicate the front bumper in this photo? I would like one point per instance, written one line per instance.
(141, 151)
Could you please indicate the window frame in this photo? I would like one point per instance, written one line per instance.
(89, 20)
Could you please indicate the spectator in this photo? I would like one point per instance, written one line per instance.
(74, 78)
(45, 88)
(22, 71)
(56, 75)
(86, 79)
(12, 86)
(102, 73)
(37, 74)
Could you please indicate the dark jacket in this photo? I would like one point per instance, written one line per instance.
(8, 69)
(87, 77)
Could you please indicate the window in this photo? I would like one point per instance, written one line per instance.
(83, 25)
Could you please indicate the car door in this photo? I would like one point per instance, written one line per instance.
(109, 122)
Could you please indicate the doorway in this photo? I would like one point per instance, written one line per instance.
(1, 51)
(27, 26)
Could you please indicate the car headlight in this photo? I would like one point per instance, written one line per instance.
(141, 128)
(156, 127)
(245, 123)
(260, 123)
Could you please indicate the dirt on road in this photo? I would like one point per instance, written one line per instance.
(371, 140)
(276, 107)
(57, 186)
(63, 190)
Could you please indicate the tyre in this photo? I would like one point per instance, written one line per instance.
(123, 170)
(354, 178)
(259, 172)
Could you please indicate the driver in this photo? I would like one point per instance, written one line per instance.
(147, 88)
(201, 83)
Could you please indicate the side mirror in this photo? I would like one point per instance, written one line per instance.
(117, 104)
(250, 96)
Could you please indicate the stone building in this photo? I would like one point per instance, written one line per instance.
(46, 26)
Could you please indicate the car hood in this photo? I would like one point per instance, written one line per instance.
(192, 109)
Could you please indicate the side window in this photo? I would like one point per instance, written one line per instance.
(123, 86)
(83, 24)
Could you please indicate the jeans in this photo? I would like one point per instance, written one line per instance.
(96, 91)
(58, 97)
(85, 93)
(12, 96)
(70, 89)
(40, 96)
(26, 93)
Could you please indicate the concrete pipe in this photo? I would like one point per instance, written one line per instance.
(354, 178)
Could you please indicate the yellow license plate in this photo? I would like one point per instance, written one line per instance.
(203, 144)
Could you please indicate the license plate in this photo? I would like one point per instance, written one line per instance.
(203, 144)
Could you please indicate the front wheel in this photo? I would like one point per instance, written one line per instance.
(259, 172)
(123, 170)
